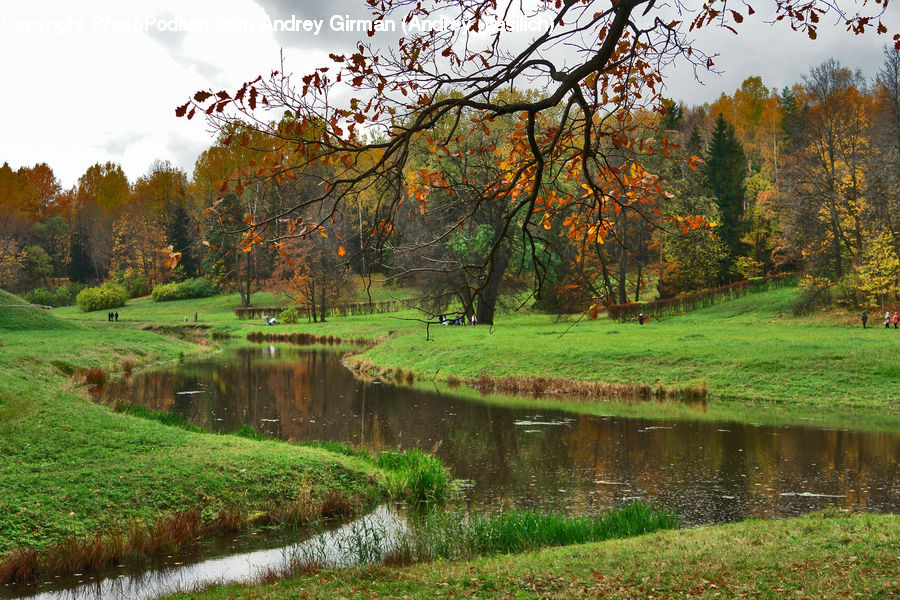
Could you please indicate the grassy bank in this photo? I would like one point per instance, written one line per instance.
(825, 555)
(81, 485)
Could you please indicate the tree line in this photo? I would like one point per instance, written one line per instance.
(758, 182)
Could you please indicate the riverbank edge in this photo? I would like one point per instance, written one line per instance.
(829, 554)
(42, 377)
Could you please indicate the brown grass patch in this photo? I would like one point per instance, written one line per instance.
(93, 377)
(546, 386)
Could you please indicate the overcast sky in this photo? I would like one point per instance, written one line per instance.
(94, 81)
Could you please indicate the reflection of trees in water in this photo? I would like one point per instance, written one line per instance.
(695, 467)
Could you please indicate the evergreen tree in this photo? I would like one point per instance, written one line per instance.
(725, 170)
(179, 235)
(791, 120)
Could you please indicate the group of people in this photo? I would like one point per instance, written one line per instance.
(888, 319)
(460, 320)
(112, 316)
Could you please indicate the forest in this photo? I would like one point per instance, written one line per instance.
(761, 181)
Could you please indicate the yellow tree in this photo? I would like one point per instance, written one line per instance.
(880, 270)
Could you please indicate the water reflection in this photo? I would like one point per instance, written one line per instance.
(708, 472)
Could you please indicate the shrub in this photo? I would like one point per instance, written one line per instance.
(289, 316)
(191, 288)
(165, 292)
(108, 295)
(196, 288)
(63, 295)
(135, 283)
(41, 296)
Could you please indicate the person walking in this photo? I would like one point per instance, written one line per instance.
(865, 319)
(887, 320)
(896, 319)
(117, 316)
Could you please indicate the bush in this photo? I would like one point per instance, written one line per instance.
(43, 296)
(63, 295)
(108, 295)
(289, 316)
(135, 283)
(165, 292)
(192, 288)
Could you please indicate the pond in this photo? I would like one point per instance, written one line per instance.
(707, 472)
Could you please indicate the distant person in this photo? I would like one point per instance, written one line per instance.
(117, 316)
(641, 319)
(896, 319)
(887, 320)
(474, 320)
(865, 319)
(195, 317)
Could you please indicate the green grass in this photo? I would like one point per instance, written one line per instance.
(824, 555)
(415, 476)
(458, 535)
(18, 315)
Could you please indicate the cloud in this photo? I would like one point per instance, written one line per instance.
(118, 145)
(185, 151)
(173, 42)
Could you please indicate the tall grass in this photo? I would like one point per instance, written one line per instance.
(461, 535)
(455, 535)
(415, 476)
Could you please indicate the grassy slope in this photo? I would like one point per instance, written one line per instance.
(828, 555)
(68, 466)
(748, 349)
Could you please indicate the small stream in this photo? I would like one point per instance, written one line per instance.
(707, 472)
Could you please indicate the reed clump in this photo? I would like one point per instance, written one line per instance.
(128, 365)
(460, 535)
(544, 386)
(416, 477)
(94, 377)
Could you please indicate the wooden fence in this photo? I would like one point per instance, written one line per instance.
(688, 302)
(340, 310)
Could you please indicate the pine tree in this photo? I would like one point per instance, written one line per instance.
(725, 170)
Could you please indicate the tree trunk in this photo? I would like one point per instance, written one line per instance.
(487, 297)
